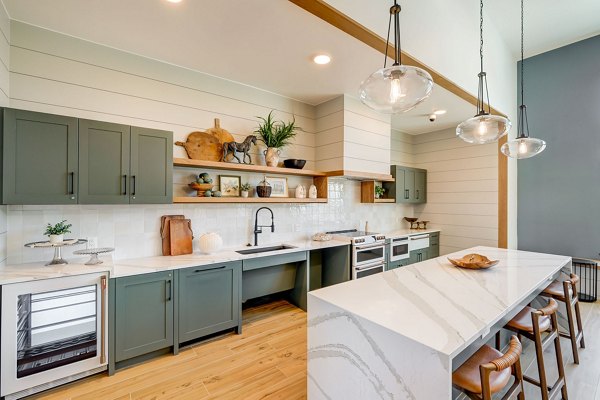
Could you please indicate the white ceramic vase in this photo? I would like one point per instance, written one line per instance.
(312, 192)
(272, 156)
(210, 243)
(244, 193)
(300, 192)
(55, 239)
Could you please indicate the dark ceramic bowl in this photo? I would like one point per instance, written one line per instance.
(294, 163)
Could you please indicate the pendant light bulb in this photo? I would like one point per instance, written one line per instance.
(482, 129)
(398, 88)
(522, 147)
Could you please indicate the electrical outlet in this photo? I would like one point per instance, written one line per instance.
(92, 243)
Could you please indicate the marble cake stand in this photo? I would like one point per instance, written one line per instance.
(57, 260)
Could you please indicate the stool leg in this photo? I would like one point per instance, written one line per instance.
(579, 324)
(498, 340)
(559, 359)
(539, 353)
(570, 320)
(519, 377)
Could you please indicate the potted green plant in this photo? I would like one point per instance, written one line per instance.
(275, 135)
(379, 191)
(244, 189)
(56, 233)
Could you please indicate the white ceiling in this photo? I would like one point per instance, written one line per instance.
(269, 44)
(549, 24)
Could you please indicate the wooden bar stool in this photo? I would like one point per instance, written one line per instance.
(566, 292)
(531, 323)
(488, 371)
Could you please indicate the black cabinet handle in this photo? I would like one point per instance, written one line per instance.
(133, 185)
(406, 193)
(209, 269)
(124, 185)
(417, 193)
(71, 183)
(168, 289)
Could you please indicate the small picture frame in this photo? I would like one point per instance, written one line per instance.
(229, 185)
(279, 186)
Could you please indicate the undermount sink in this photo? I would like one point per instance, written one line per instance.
(265, 249)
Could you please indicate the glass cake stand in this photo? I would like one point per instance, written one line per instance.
(94, 260)
(57, 260)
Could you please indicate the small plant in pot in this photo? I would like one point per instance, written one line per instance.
(379, 192)
(275, 135)
(56, 233)
(244, 189)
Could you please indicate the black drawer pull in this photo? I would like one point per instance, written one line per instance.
(133, 185)
(209, 269)
(124, 185)
(71, 183)
(168, 290)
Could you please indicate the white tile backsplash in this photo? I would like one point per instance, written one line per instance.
(134, 229)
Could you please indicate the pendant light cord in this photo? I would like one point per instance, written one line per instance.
(481, 33)
(394, 13)
(522, 53)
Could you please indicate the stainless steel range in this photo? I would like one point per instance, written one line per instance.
(368, 251)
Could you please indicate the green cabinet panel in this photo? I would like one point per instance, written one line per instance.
(418, 255)
(397, 264)
(143, 314)
(103, 162)
(410, 185)
(151, 179)
(39, 158)
(209, 299)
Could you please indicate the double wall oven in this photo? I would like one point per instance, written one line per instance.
(53, 331)
(368, 252)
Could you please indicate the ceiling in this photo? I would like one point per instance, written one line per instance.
(549, 24)
(266, 43)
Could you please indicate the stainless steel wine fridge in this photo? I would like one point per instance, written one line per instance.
(53, 331)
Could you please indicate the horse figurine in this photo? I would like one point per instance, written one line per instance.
(244, 147)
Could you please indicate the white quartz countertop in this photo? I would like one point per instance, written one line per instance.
(409, 232)
(36, 271)
(441, 306)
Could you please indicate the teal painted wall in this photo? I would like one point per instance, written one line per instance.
(559, 190)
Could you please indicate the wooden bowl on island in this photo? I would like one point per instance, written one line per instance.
(201, 188)
(473, 261)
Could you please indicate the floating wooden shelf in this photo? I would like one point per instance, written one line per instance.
(385, 201)
(262, 169)
(361, 176)
(367, 193)
(216, 200)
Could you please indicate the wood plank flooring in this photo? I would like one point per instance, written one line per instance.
(268, 361)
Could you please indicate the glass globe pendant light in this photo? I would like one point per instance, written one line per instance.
(398, 88)
(483, 127)
(523, 146)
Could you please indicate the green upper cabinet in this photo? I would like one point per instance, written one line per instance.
(104, 150)
(39, 158)
(151, 166)
(410, 185)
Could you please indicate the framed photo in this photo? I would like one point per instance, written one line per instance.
(279, 186)
(230, 185)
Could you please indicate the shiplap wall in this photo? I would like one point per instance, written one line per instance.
(352, 137)
(462, 189)
(4, 101)
(402, 149)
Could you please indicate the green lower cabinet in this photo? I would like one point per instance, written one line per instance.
(143, 314)
(209, 300)
(418, 255)
(397, 264)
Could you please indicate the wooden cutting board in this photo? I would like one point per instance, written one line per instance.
(181, 236)
(207, 145)
(165, 232)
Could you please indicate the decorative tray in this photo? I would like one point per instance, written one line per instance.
(94, 260)
(473, 261)
(321, 237)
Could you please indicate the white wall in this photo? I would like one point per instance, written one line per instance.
(59, 74)
(4, 101)
(462, 189)
(445, 36)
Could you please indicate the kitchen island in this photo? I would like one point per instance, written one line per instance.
(401, 333)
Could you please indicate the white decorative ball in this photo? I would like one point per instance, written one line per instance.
(210, 243)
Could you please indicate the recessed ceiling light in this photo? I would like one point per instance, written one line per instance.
(174, 1)
(440, 112)
(322, 59)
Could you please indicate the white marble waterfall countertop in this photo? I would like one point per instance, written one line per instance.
(36, 271)
(440, 306)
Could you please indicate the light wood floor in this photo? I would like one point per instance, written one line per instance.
(268, 361)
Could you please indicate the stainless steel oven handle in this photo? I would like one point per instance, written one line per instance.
(369, 266)
(102, 319)
(370, 246)
(417, 237)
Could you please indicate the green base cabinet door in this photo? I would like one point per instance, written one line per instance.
(434, 245)
(143, 314)
(39, 158)
(151, 179)
(209, 299)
